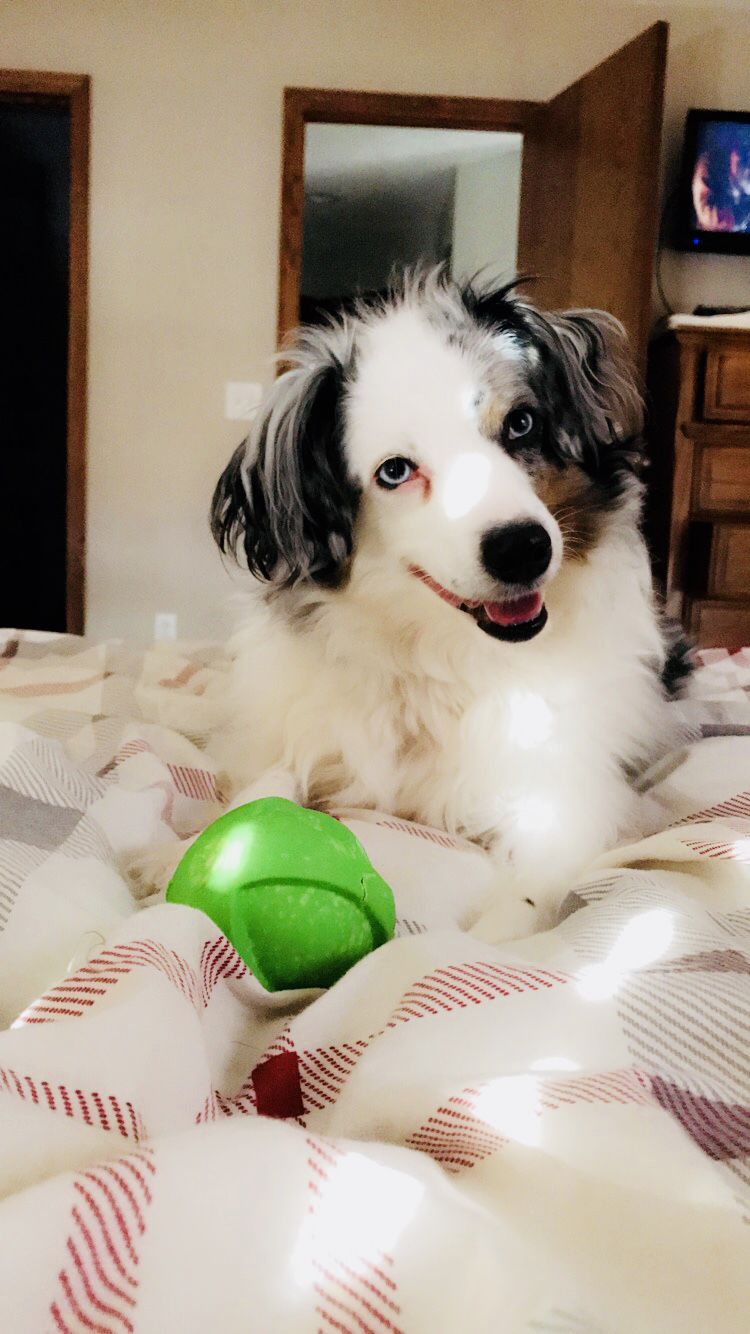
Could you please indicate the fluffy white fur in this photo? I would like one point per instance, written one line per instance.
(379, 694)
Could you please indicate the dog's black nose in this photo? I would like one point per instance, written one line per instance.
(518, 553)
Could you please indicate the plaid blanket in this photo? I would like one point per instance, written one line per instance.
(549, 1135)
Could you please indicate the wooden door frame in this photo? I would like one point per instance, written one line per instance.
(337, 106)
(73, 92)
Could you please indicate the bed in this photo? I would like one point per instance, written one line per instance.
(550, 1135)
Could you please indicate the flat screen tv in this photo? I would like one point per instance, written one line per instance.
(715, 192)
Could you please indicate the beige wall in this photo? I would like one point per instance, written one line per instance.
(185, 171)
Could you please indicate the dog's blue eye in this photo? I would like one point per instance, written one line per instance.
(394, 472)
(518, 423)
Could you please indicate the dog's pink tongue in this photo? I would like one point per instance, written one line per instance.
(515, 611)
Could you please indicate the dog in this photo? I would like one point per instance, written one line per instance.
(453, 618)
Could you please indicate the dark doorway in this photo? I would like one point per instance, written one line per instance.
(44, 134)
(34, 263)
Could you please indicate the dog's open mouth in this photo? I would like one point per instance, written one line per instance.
(517, 619)
(514, 619)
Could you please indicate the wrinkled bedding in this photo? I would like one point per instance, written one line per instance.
(549, 1135)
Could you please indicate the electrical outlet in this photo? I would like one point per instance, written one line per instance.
(165, 625)
(241, 399)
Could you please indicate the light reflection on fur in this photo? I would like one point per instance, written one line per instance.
(466, 482)
(467, 709)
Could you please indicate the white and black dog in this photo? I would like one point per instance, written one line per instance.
(454, 619)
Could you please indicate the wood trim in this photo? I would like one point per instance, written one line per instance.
(658, 34)
(681, 488)
(718, 516)
(38, 84)
(292, 209)
(705, 334)
(716, 433)
(303, 106)
(345, 106)
(74, 91)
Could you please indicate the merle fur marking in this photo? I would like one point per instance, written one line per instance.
(286, 496)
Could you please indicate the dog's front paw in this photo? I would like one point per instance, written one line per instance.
(511, 916)
(151, 870)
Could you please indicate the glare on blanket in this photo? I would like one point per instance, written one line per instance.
(529, 719)
(741, 850)
(465, 484)
(645, 938)
(548, 1063)
(360, 1212)
(511, 1106)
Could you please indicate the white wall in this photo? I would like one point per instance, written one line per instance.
(184, 223)
(485, 216)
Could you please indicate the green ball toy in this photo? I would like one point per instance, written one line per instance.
(292, 890)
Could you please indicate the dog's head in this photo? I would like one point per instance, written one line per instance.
(455, 436)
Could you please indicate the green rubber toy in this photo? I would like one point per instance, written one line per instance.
(292, 889)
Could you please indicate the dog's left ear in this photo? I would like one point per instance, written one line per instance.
(286, 496)
(599, 383)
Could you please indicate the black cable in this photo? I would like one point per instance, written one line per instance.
(668, 308)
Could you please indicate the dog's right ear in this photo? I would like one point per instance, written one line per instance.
(286, 495)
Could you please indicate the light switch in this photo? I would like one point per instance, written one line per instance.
(165, 625)
(241, 398)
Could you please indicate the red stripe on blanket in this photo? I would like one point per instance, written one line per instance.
(461, 985)
(199, 784)
(320, 1073)
(189, 781)
(76, 1104)
(84, 989)
(739, 804)
(354, 1291)
(98, 1279)
(424, 832)
(219, 960)
(721, 851)
(463, 1132)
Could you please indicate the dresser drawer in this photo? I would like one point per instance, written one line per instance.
(719, 624)
(722, 479)
(717, 561)
(729, 570)
(726, 391)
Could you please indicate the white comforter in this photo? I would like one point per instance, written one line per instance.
(552, 1135)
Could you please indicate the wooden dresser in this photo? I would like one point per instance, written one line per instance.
(699, 479)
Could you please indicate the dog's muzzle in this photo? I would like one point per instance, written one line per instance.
(513, 619)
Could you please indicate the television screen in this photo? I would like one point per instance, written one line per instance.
(715, 212)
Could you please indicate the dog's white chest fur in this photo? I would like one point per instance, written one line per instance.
(441, 502)
(387, 698)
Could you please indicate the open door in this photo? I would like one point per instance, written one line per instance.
(590, 188)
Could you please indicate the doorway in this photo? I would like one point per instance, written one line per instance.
(44, 126)
(378, 197)
(575, 199)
